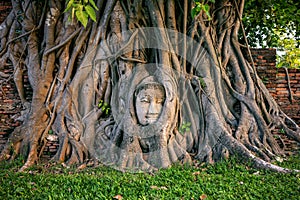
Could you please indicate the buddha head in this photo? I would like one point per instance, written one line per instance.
(149, 101)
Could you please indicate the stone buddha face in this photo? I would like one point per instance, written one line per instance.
(149, 101)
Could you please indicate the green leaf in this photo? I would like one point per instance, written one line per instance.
(107, 111)
(206, 8)
(93, 4)
(100, 103)
(196, 10)
(77, 6)
(90, 11)
(82, 16)
(194, 13)
(69, 5)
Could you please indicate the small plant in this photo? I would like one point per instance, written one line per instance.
(184, 127)
(202, 82)
(276, 137)
(282, 131)
(104, 106)
(201, 6)
(264, 79)
(82, 9)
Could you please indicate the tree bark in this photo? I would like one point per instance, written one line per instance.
(207, 101)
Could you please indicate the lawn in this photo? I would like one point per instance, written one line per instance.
(224, 180)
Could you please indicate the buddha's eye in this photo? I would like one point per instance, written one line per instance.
(160, 101)
(145, 100)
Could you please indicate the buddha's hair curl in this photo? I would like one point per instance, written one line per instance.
(149, 85)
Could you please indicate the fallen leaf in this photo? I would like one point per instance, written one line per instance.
(118, 197)
(278, 159)
(90, 163)
(65, 165)
(203, 196)
(256, 173)
(163, 188)
(154, 187)
(81, 166)
(196, 173)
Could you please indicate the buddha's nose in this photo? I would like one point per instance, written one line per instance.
(154, 108)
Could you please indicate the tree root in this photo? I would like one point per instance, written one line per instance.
(236, 148)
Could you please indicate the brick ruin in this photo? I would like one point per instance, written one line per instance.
(283, 85)
(276, 80)
(5, 7)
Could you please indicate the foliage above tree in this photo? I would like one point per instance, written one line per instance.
(267, 22)
(291, 56)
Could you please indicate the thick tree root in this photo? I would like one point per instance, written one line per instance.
(241, 151)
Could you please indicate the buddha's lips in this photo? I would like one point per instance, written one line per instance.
(152, 117)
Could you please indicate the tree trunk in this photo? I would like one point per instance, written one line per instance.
(144, 87)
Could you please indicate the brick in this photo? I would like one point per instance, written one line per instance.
(280, 75)
(271, 85)
(282, 85)
(293, 81)
(281, 81)
(280, 89)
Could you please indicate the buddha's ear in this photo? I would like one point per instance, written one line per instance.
(170, 93)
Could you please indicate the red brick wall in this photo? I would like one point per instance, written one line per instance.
(276, 81)
(291, 106)
(10, 103)
(5, 7)
(7, 92)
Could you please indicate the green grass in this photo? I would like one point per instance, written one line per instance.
(224, 180)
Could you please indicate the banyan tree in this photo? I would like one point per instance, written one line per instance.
(145, 84)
